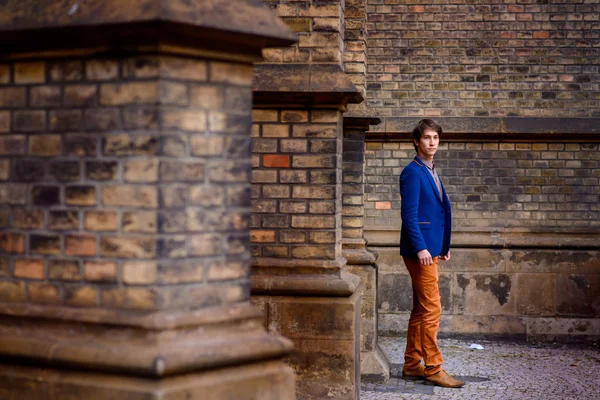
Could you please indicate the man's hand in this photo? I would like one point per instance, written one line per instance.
(446, 257)
(425, 257)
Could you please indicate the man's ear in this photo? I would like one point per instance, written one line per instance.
(415, 142)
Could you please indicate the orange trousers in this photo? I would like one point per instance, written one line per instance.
(421, 338)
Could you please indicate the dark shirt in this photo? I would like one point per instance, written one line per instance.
(431, 167)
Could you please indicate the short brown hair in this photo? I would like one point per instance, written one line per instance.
(420, 128)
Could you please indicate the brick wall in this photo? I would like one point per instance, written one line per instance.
(484, 58)
(296, 198)
(117, 184)
(320, 28)
(494, 185)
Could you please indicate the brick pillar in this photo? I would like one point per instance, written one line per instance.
(299, 276)
(374, 364)
(124, 202)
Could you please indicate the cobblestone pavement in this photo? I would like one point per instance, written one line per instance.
(502, 370)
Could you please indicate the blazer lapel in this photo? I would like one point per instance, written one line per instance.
(431, 180)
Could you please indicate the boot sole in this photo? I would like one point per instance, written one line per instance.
(428, 382)
(412, 378)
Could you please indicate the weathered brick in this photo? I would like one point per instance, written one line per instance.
(100, 221)
(321, 237)
(262, 236)
(188, 121)
(180, 272)
(234, 74)
(12, 291)
(130, 298)
(65, 120)
(209, 97)
(101, 70)
(79, 145)
(64, 270)
(129, 145)
(139, 221)
(313, 192)
(139, 272)
(130, 196)
(313, 222)
(4, 121)
(5, 73)
(81, 296)
(183, 68)
(80, 95)
(114, 94)
(275, 131)
(80, 195)
(265, 116)
(45, 293)
(80, 245)
(100, 271)
(207, 146)
(30, 72)
(29, 170)
(101, 119)
(29, 121)
(128, 247)
(63, 220)
(207, 195)
(292, 236)
(28, 219)
(14, 193)
(45, 244)
(141, 170)
(12, 144)
(313, 252)
(101, 170)
(313, 161)
(71, 70)
(292, 207)
(44, 96)
(171, 171)
(29, 268)
(219, 270)
(228, 171)
(293, 176)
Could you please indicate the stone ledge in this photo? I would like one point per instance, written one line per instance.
(302, 85)
(563, 239)
(156, 353)
(242, 26)
(479, 129)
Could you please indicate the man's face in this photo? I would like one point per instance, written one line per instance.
(428, 144)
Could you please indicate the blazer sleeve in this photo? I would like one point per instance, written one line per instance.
(447, 225)
(410, 189)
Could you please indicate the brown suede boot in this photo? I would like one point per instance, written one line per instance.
(414, 374)
(444, 380)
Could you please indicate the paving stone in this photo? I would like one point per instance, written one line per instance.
(503, 370)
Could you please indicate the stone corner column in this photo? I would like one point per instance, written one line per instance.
(124, 201)
(374, 364)
(299, 276)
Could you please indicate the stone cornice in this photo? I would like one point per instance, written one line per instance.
(484, 129)
(242, 26)
(303, 85)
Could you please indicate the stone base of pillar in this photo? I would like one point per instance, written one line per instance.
(267, 380)
(325, 332)
(375, 366)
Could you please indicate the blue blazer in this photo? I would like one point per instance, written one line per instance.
(426, 218)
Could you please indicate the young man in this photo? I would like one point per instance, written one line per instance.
(425, 239)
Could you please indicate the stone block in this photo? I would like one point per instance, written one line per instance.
(327, 355)
(536, 294)
(484, 294)
(578, 295)
(555, 261)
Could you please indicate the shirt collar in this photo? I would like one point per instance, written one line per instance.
(428, 164)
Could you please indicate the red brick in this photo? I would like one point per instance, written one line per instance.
(276, 161)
